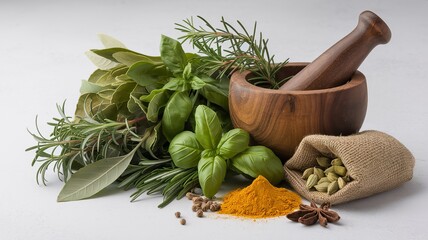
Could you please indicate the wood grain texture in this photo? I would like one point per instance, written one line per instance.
(336, 65)
(280, 120)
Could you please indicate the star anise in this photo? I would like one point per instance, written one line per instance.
(309, 215)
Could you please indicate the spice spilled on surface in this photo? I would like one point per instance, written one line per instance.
(260, 200)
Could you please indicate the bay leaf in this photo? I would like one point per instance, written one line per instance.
(94, 177)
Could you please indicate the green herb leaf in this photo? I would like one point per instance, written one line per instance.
(130, 58)
(208, 129)
(197, 83)
(172, 54)
(211, 171)
(215, 95)
(259, 160)
(233, 142)
(141, 73)
(175, 115)
(122, 92)
(177, 84)
(185, 150)
(101, 62)
(94, 177)
(110, 42)
(158, 101)
(89, 87)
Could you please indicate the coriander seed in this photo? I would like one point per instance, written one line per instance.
(177, 214)
(183, 221)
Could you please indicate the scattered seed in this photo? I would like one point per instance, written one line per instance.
(190, 195)
(177, 214)
(195, 208)
(215, 206)
(183, 221)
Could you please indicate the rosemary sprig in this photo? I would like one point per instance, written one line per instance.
(230, 48)
(73, 145)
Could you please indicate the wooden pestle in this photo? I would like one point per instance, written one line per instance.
(336, 65)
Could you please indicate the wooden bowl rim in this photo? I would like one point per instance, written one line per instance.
(241, 78)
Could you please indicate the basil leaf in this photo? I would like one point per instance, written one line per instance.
(110, 42)
(175, 115)
(208, 129)
(215, 95)
(172, 54)
(177, 84)
(211, 172)
(259, 160)
(156, 103)
(185, 150)
(141, 73)
(197, 83)
(187, 72)
(94, 177)
(232, 143)
(122, 92)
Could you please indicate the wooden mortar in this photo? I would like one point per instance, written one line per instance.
(327, 96)
(280, 120)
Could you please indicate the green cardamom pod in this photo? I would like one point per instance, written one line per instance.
(332, 188)
(332, 177)
(337, 162)
(319, 172)
(312, 181)
(339, 170)
(347, 178)
(322, 187)
(341, 182)
(307, 173)
(328, 170)
(322, 180)
(323, 162)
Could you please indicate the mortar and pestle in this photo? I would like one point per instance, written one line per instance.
(327, 96)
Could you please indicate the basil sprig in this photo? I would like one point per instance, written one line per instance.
(212, 152)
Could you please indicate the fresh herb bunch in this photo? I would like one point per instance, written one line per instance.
(135, 111)
(230, 48)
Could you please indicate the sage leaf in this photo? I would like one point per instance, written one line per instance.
(134, 104)
(96, 75)
(89, 87)
(259, 160)
(94, 177)
(108, 52)
(211, 171)
(175, 115)
(233, 142)
(172, 54)
(110, 42)
(185, 150)
(122, 92)
(101, 62)
(208, 128)
(152, 138)
(129, 58)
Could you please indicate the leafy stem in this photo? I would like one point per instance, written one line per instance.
(228, 49)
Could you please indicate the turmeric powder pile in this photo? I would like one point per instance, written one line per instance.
(260, 200)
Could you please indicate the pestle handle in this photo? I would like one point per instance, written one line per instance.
(336, 65)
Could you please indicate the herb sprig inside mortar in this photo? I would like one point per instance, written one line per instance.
(159, 124)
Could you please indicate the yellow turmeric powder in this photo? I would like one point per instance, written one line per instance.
(260, 200)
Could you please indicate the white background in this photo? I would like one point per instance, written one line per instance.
(42, 62)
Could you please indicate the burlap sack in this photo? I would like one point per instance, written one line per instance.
(376, 161)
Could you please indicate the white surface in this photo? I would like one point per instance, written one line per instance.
(42, 62)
